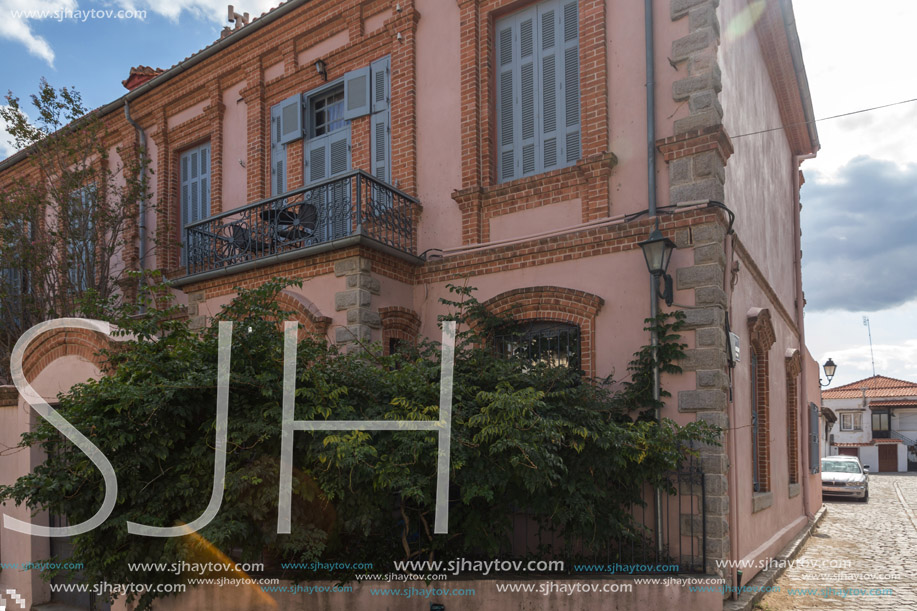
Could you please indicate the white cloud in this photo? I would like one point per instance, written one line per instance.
(15, 16)
(856, 57)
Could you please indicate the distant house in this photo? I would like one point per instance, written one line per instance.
(877, 421)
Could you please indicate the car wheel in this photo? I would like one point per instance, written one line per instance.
(865, 498)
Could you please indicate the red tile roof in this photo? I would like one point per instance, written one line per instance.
(894, 403)
(876, 386)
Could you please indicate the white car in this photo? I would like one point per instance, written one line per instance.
(844, 476)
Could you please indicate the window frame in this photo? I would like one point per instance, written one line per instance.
(186, 153)
(548, 20)
(81, 251)
(856, 421)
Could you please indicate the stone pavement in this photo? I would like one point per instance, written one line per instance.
(862, 556)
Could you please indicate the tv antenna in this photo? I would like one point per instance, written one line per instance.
(871, 354)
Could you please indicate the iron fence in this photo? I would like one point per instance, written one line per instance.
(353, 204)
(680, 547)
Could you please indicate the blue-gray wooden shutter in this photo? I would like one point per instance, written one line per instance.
(570, 83)
(550, 87)
(278, 154)
(338, 196)
(290, 115)
(381, 83)
(506, 162)
(357, 93)
(538, 97)
(380, 125)
(195, 187)
(526, 163)
(814, 434)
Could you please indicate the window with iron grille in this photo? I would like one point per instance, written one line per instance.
(552, 343)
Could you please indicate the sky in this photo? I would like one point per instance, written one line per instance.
(859, 218)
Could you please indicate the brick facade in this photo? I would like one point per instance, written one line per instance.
(380, 294)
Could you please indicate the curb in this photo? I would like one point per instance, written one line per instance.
(766, 578)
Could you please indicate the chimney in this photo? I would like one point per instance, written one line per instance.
(139, 75)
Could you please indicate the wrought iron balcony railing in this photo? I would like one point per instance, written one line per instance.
(350, 205)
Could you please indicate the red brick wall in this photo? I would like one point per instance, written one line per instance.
(481, 197)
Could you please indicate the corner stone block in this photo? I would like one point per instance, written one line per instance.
(705, 118)
(717, 526)
(709, 163)
(716, 485)
(680, 171)
(683, 47)
(709, 188)
(352, 265)
(720, 419)
(710, 253)
(715, 464)
(699, 275)
(710, 337)
(704, 16)
(704, 317)
(717, 505)
(703, 358)
(354, 298)
(701, 400)
(716, 548)
(710, 295)
(352, 333)
(364, 280)
(363, 316)
(709, 233)
(713, 378)
(680, 8)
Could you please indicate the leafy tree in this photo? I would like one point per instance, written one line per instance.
(535, 439)
(65, 213)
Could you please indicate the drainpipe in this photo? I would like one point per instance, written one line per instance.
(651, 207)
(803, 376)
(141, 221)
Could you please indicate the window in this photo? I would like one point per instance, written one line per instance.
(81, 242)
(761, 339)
(328, 112)
(880, 425)
(323, 117)
(552, 343)
(756, 424)
(538, 93)
(328, 147)
(195, 188)
(791, 418)
(851, 422)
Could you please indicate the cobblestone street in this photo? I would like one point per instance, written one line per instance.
(862, 556)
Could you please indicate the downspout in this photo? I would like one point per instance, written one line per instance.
(651, 207)
(141, 221)
(803, 376)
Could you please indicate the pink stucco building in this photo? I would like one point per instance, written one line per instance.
(512, 144)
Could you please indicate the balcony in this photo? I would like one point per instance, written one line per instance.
(350, 209)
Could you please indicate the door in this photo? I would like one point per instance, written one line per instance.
(888, 457)
(848, 452)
